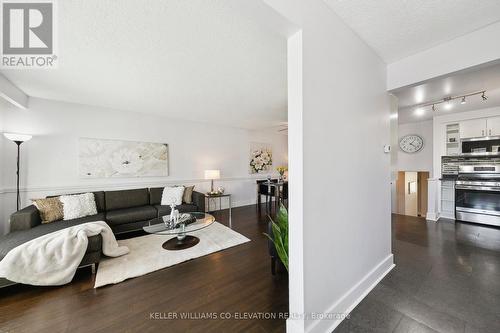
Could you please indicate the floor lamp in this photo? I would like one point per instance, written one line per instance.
(18, 139)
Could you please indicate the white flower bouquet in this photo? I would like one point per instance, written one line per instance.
(262, 160)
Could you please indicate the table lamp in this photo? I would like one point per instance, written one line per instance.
(211, 175)
(18, 139)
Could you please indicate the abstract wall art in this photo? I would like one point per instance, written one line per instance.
(103, 158)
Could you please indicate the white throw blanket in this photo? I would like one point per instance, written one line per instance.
(52, 259)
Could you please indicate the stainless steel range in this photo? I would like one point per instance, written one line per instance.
(477, 191)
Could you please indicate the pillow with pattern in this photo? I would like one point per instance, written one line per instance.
(172, 195)
(79, 205)
(188, 194)
(50, 209)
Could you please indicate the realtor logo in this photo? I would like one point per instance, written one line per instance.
(28, 34)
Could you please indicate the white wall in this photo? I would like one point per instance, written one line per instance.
(296, 174)
(50, 159)
(3, 106)
(457, 54)
(346, 175)
(422, 160)
(394, 127)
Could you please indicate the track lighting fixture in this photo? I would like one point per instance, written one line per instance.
(448, 101)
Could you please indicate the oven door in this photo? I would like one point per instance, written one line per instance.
(478, 204)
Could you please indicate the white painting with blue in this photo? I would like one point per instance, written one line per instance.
(103, 158)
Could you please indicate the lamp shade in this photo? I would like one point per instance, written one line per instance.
(212, 174)
(17, 137)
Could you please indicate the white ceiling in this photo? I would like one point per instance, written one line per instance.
(486, 77)
(197, 60)
(396, 29)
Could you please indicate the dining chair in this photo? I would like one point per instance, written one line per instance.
(284, 194)
(268, 191)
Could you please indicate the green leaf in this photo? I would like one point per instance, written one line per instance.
(280, 233)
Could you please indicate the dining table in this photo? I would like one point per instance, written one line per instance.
(278, 186)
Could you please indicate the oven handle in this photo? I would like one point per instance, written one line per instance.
(478, 188)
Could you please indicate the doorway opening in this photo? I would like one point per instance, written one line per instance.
(411, 190)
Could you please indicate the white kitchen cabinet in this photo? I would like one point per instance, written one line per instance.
(474, 128)
(493, 126)
(448, 199)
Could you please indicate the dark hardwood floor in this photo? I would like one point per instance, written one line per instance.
(235, 280)
(446, 279)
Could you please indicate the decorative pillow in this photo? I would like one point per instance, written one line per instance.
(188, 194)
(51, 209)
(172, 195)
(80, 205)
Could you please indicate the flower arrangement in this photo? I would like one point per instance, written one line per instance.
(261, 160)
(281, 170)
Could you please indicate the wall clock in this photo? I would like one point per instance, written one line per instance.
(411, 143)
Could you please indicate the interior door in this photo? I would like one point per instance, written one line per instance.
(400, 192)
(474, 128)
(493, 126)
(423, 177)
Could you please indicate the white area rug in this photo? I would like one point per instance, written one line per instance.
(146, 254)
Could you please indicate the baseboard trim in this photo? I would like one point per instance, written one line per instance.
(295, 325)
(448, 217)
(354, 296)
(432, 217)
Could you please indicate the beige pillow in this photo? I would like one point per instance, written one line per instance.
(51, 209)
(188, 194)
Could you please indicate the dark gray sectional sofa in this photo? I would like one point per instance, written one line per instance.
(123, 210)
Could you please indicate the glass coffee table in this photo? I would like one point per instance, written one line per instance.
(193, 221)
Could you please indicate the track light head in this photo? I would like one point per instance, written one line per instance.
(484, 96)
(463, 100)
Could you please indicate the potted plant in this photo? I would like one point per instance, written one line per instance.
(279, 235)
